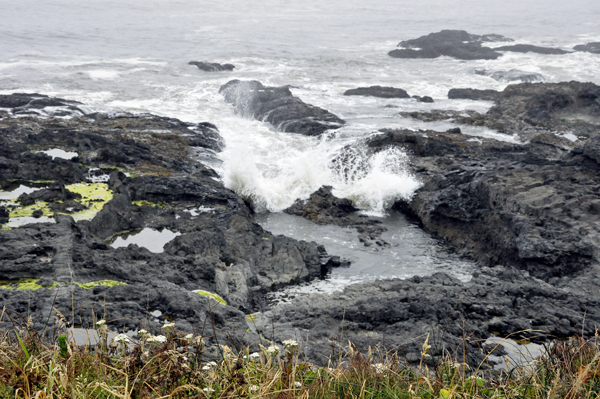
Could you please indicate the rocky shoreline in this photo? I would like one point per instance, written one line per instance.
(152, 179)
(527, 211)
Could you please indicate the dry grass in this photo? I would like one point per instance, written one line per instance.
(178, 368)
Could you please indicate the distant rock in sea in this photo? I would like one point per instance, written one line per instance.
(378, 91)
(473, 94)
(212, 66)
(452, 43)
(593, 47)
(528, 48)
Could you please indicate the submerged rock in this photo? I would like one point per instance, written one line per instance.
(212, 66)
(512, 76)
(378, 91)
(279, 107)
(452, 43)
(528, 48)
(593, 47)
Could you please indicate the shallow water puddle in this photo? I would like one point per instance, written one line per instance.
(15, 191)
(517, 354)
(58, 153)
(151, 239)
(412, 252)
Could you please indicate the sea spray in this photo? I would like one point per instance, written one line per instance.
(272, 170)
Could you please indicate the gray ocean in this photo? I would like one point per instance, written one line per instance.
(133, 56)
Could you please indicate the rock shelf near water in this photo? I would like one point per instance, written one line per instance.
(155, 181)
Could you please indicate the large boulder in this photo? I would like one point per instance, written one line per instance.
(279, 107)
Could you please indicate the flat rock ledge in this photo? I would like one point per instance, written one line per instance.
(279, 107)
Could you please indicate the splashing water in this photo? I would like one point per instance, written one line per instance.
(272, 169)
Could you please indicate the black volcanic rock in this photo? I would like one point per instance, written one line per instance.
(593, 47)
(378, 91)
(473, 94)
(528, 48)
(452, 43)
(219, 248)
(279, 107)
(530, 108)
(398, 315)
(212, 66)
(424, 99)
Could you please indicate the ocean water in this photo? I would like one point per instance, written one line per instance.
(133, 56)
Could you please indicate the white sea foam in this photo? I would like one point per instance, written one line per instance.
(103, 74)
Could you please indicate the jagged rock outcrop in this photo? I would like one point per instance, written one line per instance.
(279, 107)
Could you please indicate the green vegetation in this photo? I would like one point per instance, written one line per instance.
(101, 283)
(211, 295)
(32, 284)
(174, 365)
(93, 196)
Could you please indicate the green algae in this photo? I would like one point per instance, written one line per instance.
(150, 204)
(32, 284)
(101, 283)
(211, 295)
(24, 284)
(93, 195)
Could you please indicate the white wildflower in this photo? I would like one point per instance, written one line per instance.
(142, 333)
(100, 323)
(290, 343)
(208, 390)
(298, 384)
(121, 338)
(209, 365)
(189, 337)
(168, 326)
(254, 356)
(157, 338)
(380, 368)
(253, 388)
(273, 350)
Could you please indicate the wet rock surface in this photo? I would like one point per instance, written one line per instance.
(528, 109)
(512, 75)
(593, 47)
(528, 48)
(151, 168)
(452, 43)
(322, 207)
(212, 66)
(401, 314)
(378, 91)
(473, 94)
(279, 107)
